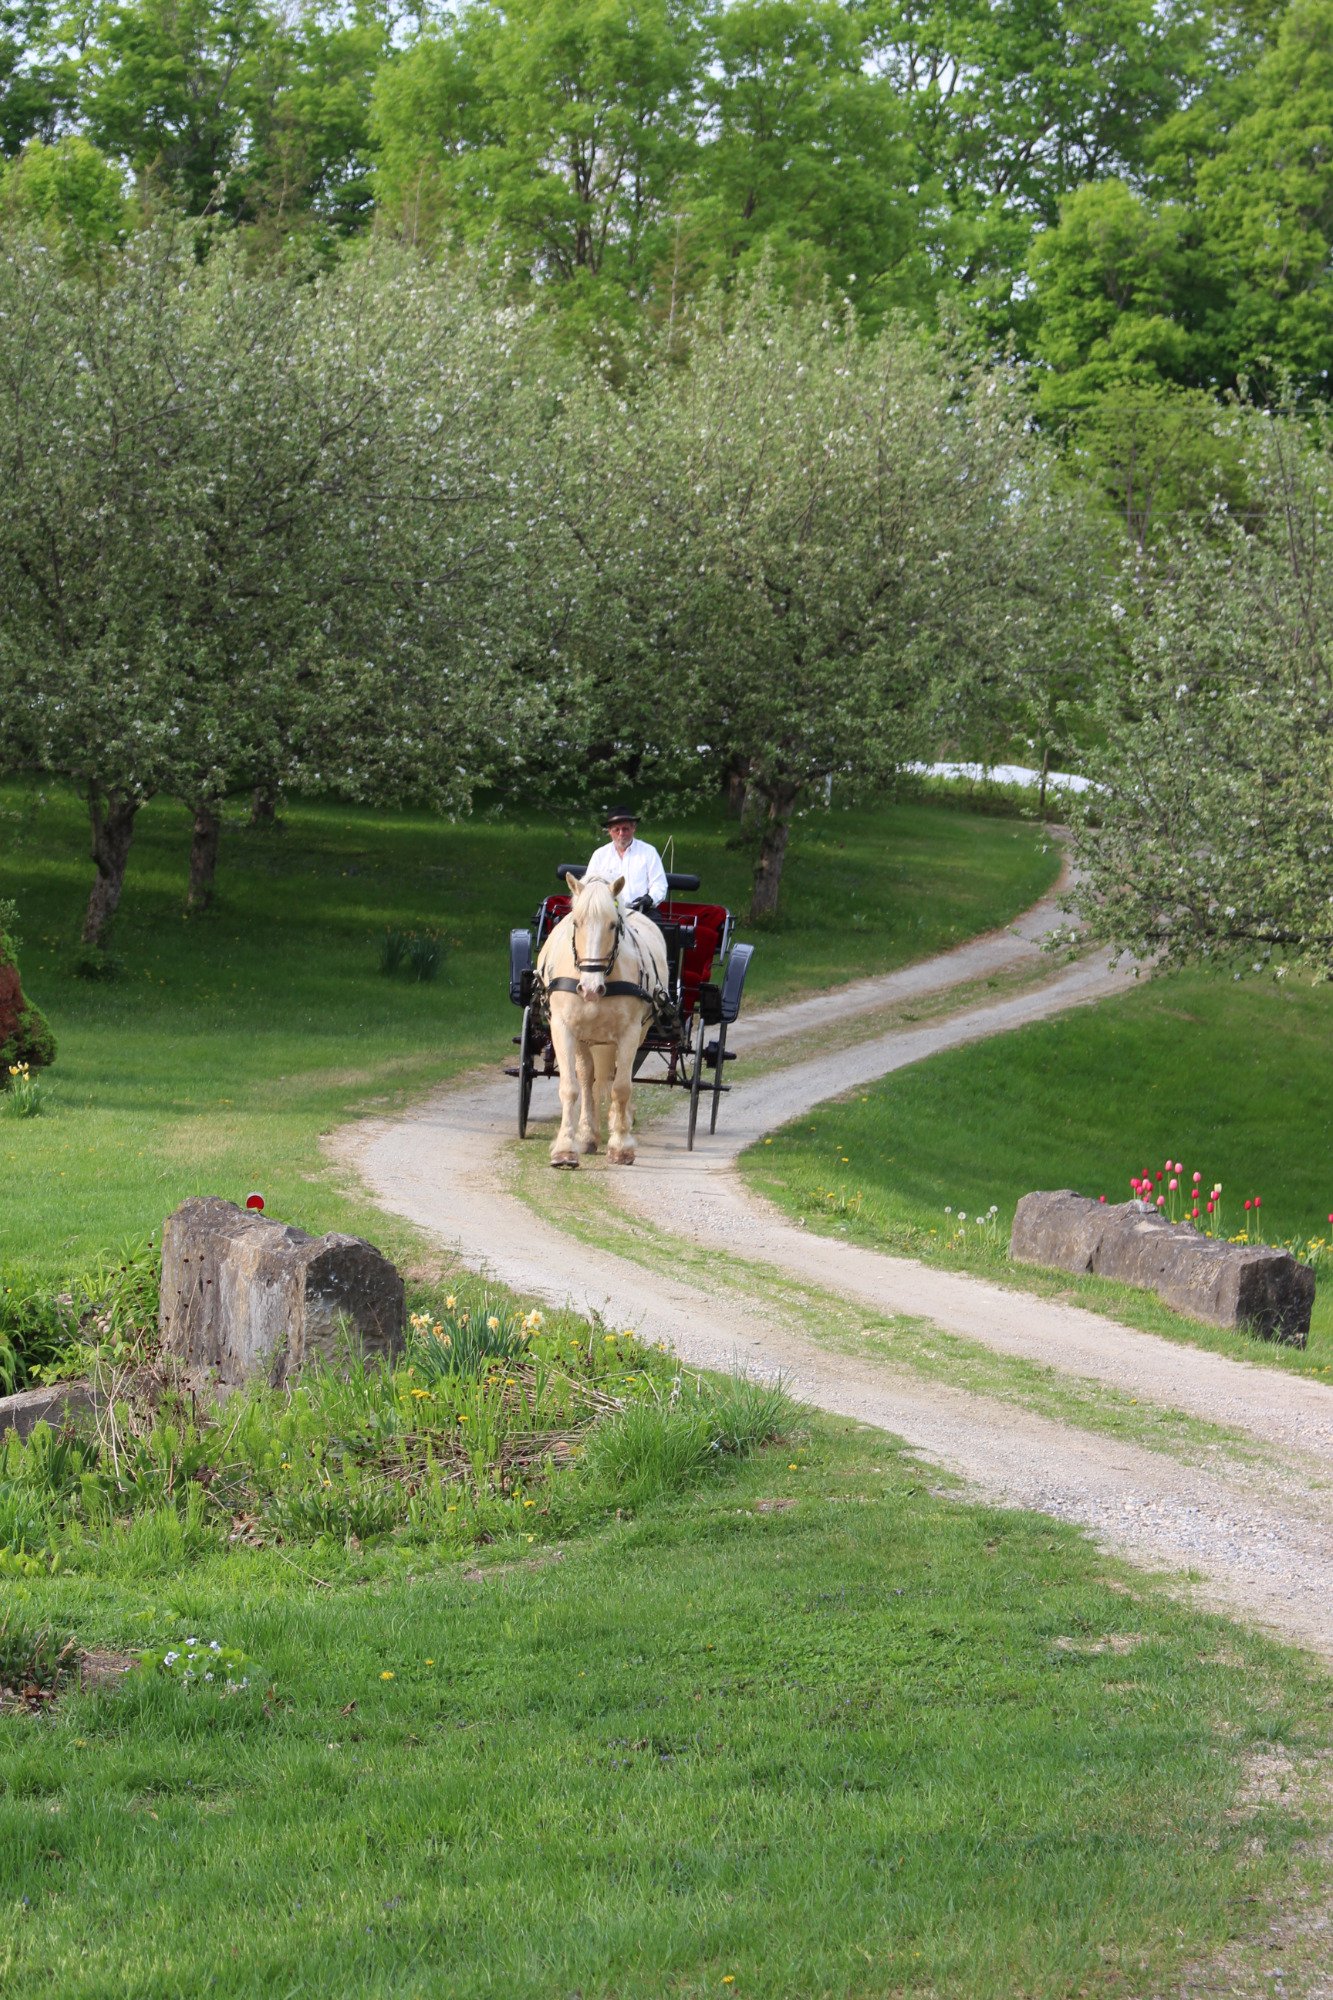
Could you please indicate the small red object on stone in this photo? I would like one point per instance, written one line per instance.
(254, 1201)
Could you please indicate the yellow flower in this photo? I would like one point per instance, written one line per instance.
(529, 1503)
(430, 1663)
(462, 1416)
(493, 1323)
(386, 1676)
(419, 1393)
(451, 1302)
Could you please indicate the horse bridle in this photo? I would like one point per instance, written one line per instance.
(601, 966)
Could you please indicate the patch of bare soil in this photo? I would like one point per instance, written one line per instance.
(1291, 1956)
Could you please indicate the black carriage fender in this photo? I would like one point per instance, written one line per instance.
(734, 984)
(520, 967)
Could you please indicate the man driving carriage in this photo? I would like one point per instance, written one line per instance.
(638, 861)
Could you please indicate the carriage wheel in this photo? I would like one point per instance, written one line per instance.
(696, 1080)
(721, 1071)
(527, 1069)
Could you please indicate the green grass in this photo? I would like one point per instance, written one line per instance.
(1234, 1079)
(872, 1743)
(232, 1041)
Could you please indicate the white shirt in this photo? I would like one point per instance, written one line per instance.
(641, 866)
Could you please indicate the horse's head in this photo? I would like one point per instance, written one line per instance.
(598, 929)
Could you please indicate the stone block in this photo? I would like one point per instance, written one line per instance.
(56, 1404)
(1249, 1285)
(246, 1298)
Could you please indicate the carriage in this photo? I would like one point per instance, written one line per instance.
(685, 1046)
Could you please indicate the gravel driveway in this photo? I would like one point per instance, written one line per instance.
(1248, 1525)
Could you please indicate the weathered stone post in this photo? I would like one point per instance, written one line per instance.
(245, 1297)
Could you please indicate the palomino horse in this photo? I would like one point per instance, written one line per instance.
(602, 970)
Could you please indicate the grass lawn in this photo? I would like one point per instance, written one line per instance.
(1234, 1079)
(233, 1040)
(804, 1728)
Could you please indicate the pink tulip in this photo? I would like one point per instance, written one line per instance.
(1179, 1167)
(1101, 1197)
(1161, 1201)
(1210, 1208)
(1198, 1177)
(1173, 1184)
(1168, 1166)
(1257, 1200)
(1247, 1204)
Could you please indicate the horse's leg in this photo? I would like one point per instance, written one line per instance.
(589, 1123)
(620, 1144)
(604, 1057)
(564, 1151)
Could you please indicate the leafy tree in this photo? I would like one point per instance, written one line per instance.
(807, 162)
(168, 86)
(1011, 108)
(563, 126)
(810, 532)
(249, 533)
(1213, 837)
(37, 75)
(66, 189)
(1266, 203)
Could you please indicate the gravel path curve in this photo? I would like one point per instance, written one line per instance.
(1259, 1543)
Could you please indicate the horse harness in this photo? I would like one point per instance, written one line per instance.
(615, 989)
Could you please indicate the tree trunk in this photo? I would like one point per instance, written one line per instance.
(781, 803)
(735, 780)
(111, 818)
(1041, 790)
(264, 805)
(203, 857)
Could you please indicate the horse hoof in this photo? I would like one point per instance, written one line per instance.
(564, 1159)
(618, 1157)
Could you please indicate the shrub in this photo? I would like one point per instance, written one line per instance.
(419, 954)
(744, 1414)
(650, 1448)
(26, 1041)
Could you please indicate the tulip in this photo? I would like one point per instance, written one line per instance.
(1161, 1201)
(1257, 1200)
(1173, 1184)
(1247, 1204)
(1198, 1177)
(1102, 1197)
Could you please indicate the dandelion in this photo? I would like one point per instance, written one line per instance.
(430, 1663)
(387, 1676)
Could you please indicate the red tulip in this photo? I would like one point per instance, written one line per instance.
(254, 1201)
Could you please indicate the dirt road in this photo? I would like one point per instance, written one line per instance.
(679, 1250)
